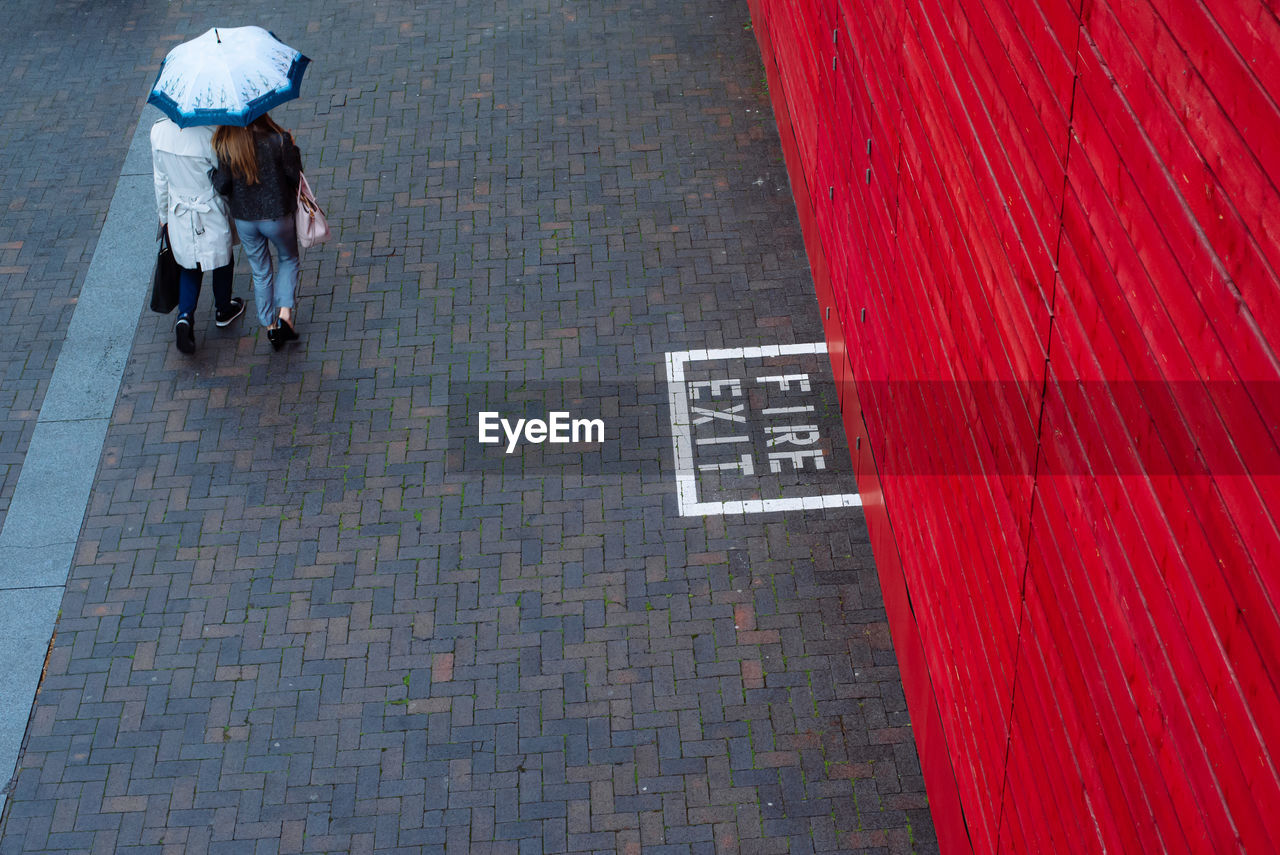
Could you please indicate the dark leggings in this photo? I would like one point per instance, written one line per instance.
(189, 288)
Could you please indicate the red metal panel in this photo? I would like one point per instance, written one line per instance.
(955, 614)
(1090, 603)
(1021, 138)
(1203, 416)
(1222, 526)
(1027, 102)
(953, 609)
(1098, 797)
(1191, 574)
(1236, 121)
(1043, 784)
(1199, 177)
(1051, 30)
(1197, 336)
(998, 337)
(1091, 619)
(935, 756)
(1181, 580)
(874, 38)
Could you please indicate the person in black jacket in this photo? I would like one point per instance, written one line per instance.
(258, 170)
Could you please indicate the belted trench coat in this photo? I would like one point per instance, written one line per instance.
(200, 229)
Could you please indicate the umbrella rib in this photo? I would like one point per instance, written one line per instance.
(230, 79)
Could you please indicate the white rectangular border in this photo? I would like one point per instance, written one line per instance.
(682, 438)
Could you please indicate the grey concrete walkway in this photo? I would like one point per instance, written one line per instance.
(42, 525)
(307, 611)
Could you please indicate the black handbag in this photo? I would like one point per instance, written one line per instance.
(164, 282)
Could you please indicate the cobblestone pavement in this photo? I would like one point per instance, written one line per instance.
(72, 77)
(308, 612)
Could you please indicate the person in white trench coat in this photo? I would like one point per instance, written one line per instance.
(196, 217)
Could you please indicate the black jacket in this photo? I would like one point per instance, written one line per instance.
(276, 193)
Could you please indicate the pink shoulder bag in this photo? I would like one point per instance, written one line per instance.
(313, 228)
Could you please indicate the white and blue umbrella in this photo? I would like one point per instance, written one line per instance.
(227, 77)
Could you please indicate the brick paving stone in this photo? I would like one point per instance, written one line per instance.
(71, 74)
(307, 614)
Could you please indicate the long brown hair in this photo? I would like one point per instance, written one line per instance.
(235, 146)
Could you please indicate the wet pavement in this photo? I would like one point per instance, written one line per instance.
(309, 611)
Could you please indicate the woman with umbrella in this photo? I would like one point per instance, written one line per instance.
(258, 172)
(231, 78)
(197, 222)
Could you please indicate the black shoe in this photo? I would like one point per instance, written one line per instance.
(234, 310)
(183, 335)
(287, 332)
(274, 336)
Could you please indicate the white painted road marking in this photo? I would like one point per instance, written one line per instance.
(680, 393)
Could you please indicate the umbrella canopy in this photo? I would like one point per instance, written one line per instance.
(227, 77)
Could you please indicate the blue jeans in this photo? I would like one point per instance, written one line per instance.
(189, 288)
(272, 290)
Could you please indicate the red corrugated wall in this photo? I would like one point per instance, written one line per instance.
(1045, 238)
